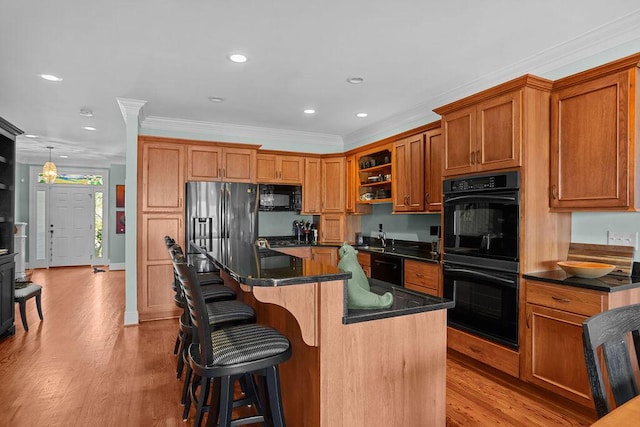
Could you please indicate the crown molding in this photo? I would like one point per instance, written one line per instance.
(133, 108)
(269, 138)
(616, 33)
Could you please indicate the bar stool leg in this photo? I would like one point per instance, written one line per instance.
(226, 400)
(275, 396)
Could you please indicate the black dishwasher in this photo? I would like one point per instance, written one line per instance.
(388, 268)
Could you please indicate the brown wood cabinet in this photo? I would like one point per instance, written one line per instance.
(408, 174)
(374, 175)
(161, 167)
(333, 185)
(483, 132)
(422, 277)
(553, 352)
(279, 169)
(364, 259)
(433, 175)
(311, 186)
(164, 166)
(206, 162)
(332, 228)
(593, 139)
(554, 358)
(328, 255)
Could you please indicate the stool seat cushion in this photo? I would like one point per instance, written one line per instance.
(217, 292)
(27, 291)
(210, 278)
(229, 311)
(246, 343)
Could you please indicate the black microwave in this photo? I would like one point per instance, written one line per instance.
(280, 198)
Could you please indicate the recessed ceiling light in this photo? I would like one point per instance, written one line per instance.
(216, 99)
(238, 57)
(309, 111)
(361, 115)
(51, 77)
(86, 112)
(355, 80)
(88, 128)
(30, 135)
(64, 157)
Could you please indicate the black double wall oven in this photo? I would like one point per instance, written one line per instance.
(481, 259)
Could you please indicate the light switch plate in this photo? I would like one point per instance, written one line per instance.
(623, 238)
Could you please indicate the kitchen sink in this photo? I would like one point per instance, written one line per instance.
(370, 248)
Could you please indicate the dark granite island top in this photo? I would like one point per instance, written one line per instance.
(344, 363)
(250, 265)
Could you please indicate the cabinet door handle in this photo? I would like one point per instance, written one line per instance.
(554, 192)
(561, 299)
(478, 157)
(471, 157)
(426, 197)
(528, 317)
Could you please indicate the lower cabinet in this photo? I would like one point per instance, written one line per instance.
(155, 270)
(422, 277)
(364, 259)
(328, 255)
(7, 309)
(554, 356)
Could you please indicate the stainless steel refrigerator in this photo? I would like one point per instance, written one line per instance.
(216, 210)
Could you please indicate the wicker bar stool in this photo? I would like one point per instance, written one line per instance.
(228, 355)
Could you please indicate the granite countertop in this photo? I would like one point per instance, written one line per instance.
(608, 283)
(254, 266)
(405, 302)
(420, 251)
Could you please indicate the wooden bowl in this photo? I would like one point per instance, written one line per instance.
(587, 270)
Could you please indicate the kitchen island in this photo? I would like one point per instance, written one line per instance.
(349, 367)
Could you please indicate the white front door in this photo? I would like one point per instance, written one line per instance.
(71, 225)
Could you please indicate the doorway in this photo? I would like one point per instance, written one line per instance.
(66, 226)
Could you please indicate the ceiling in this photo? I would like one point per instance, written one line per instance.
(413, 55)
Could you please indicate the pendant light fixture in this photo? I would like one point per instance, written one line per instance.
(49, 170)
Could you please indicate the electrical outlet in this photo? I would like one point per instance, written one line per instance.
(623, 238)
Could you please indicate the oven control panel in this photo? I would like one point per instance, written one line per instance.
(507, 180)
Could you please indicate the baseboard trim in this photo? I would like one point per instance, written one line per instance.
(116, 266)
(131, 317)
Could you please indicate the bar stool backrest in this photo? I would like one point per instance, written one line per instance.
(197, 309)
(610, 330)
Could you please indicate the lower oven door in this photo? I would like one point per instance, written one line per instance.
(486, 302)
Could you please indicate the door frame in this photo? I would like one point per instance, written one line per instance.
(34, 187)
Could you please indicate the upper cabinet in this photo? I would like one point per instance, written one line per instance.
(433, 149)
(483, 136)
(311, 186)
(373, 178)
(593, 134)
(280, 169)
(332, 185)
(220, 163)
(408, 173)
(162, 172)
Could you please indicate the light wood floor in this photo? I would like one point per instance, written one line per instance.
(82, 367)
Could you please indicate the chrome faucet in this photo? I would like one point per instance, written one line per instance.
(382, 237)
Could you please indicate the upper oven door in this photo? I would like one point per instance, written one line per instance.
(483, 224)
